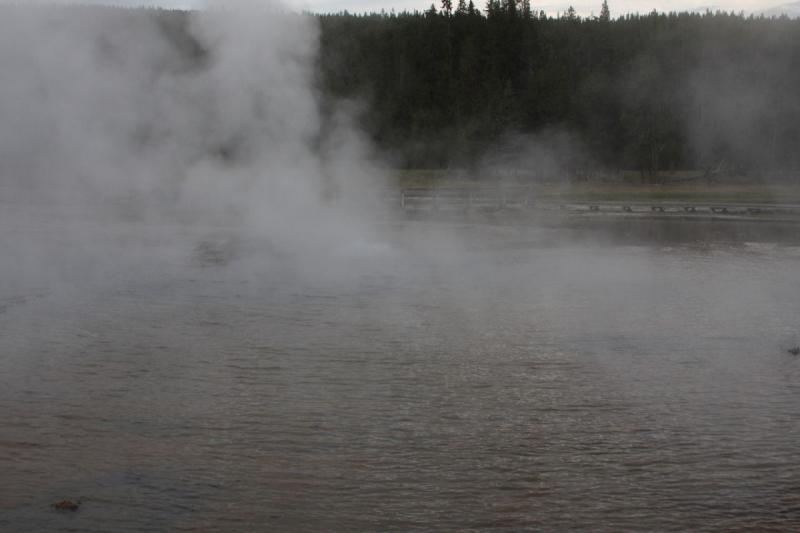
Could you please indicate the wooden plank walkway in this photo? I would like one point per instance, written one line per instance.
(523, 198)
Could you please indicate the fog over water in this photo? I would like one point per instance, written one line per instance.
(106, 117)
(207, 322)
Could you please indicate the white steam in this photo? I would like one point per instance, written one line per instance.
(209, 118)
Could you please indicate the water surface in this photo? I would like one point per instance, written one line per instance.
(503, 378)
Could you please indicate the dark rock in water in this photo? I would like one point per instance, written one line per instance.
(795, 350)
(66, 505)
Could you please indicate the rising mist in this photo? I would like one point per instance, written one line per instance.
(190, 129)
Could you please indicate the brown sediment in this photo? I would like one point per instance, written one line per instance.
(66, 505)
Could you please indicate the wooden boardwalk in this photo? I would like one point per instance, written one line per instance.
(522, 198)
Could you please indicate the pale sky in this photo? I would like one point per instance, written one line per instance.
(583, 7)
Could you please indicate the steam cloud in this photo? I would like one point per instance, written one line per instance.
(203, 120)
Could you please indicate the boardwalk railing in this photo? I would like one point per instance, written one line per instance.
(523, 198)
(464, 198)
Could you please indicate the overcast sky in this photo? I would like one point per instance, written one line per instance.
(584, 7)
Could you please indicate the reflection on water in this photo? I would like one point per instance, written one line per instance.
(519, 383)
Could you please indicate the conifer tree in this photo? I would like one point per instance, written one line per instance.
(526, 9)
(570, 14)
(605, 14)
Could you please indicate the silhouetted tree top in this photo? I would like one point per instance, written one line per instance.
(605, 14)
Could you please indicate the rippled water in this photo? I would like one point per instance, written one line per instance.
(513, 381)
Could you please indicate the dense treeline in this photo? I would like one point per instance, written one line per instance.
(463, 88)
(661, 91)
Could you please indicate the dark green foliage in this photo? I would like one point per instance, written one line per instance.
(652, 92)
(647, 92)
(605, 13)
